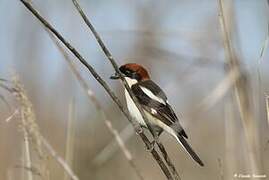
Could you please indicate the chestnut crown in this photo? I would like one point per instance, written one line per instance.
(134, 71)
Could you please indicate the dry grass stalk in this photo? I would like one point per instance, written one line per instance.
(27, 155)
(267, 107)
(230, 141)
(69, 147)
(30, 130)
(136, 126)
(36, 141)
(240, 92)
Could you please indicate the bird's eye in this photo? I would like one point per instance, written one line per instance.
(128, 71)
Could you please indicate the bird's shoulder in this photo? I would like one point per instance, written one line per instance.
(151, 89)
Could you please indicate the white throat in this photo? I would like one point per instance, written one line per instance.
(130, 81)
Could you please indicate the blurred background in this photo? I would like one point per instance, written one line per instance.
(181, 43)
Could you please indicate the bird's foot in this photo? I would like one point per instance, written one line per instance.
(151, 145)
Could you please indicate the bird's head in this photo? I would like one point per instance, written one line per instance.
(132, 72)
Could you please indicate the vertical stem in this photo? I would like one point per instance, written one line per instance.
(27, 155)
(241, 96)
(267, 108)
(230, 141)
(69, 148)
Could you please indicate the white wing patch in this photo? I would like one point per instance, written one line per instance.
(153, 111)
(130, 81)
(151, 95)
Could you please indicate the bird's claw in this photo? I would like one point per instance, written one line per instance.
(151, 146)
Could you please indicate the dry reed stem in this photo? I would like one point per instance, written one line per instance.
(240, 92)
(69, 147)
(137, 127)
(27, 155)
(230, 141)
(267, 108)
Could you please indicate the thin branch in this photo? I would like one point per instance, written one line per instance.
(92, 97)
(137, 127)
(116, 68)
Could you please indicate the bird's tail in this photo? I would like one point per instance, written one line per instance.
(189, 150)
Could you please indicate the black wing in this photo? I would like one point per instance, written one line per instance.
(154, 88)
(159, 109)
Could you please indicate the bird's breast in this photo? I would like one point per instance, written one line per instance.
(134, 111)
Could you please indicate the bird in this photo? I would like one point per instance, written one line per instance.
(154, 103)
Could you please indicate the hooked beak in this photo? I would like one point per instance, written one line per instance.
(115, 76)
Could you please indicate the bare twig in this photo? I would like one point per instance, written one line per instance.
(138, 129)
(116, 68)
(91, 95)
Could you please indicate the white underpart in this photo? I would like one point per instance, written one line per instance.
(135, 113)
(152, 96)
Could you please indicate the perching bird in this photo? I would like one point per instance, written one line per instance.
(155, 105)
